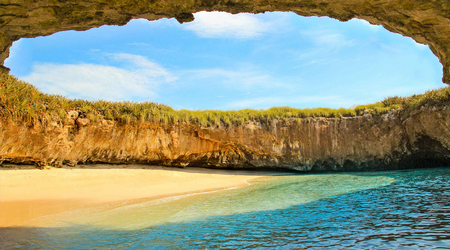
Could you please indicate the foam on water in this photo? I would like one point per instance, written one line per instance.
(272, 193)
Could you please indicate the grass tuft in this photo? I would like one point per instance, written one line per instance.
(20, 101)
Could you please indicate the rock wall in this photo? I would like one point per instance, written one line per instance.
(426, 21)
(314, 144)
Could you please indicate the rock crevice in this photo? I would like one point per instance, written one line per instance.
(370, 142)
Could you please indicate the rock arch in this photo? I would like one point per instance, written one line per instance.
(426, 21)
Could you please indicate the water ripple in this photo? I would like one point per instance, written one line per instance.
(352, 211)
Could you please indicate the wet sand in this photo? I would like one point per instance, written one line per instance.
(27, 194)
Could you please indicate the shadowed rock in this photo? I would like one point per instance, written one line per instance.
(361, 143)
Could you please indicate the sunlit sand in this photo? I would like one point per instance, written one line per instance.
(26, 195)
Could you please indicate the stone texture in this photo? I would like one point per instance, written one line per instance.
(81, 122)
(72, 115)
(315, 144)
(426, 21)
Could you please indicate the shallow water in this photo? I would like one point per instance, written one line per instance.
(399, 209)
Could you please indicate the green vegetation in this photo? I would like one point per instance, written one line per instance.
(20, 101)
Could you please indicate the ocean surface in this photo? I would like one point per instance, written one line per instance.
(377, 210)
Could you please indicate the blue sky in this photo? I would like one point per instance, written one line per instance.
(229, 62)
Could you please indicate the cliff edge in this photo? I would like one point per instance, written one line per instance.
(41, 129)
(369, 142)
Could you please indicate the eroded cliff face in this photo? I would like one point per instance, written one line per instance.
(318, 144)
(426, 21)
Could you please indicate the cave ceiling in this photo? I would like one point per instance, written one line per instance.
(426, 21)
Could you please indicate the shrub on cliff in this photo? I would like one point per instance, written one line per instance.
(20, 101)
(437, 97)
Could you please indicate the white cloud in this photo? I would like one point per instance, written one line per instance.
(222, 24)
(137, 79)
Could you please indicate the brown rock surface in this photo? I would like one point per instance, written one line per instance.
(358, 143)
(81, 122)
(426, 21)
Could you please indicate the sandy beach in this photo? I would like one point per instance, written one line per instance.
(27, 194)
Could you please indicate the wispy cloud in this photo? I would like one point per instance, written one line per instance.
(326, 44)
(327, 38)
(221, 24)
(138, 78)
(243, 79)
(139, 44)
(230, 77)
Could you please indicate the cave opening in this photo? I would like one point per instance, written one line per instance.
(229, 62)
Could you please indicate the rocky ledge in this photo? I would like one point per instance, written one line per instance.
(369, 142)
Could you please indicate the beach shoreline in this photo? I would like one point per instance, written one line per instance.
(29, 194)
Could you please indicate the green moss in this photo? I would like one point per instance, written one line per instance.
(20, 101)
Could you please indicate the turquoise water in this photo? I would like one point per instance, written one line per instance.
(382, 210)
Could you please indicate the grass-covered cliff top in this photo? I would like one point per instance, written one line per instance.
(20, 101)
